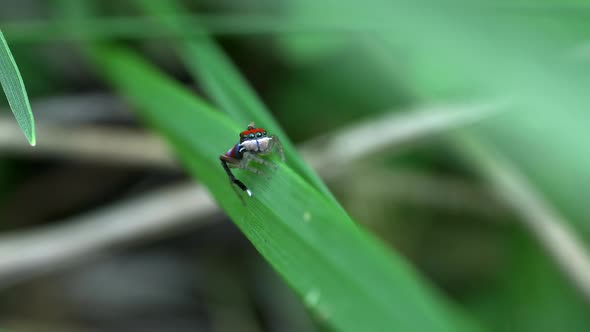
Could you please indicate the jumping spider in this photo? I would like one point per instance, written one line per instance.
(253, 142)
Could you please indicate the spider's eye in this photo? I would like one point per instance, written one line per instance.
(264, 133)
(258, 134)
(251, 135)
(245, 136)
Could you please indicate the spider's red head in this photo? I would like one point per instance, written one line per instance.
(252, 133)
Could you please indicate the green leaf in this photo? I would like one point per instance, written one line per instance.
(14, 88)
(348, 279)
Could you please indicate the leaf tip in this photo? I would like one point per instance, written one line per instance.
(32, 140)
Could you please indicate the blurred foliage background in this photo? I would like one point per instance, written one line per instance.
(453, 132)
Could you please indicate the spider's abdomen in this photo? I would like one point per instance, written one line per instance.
(234, 152)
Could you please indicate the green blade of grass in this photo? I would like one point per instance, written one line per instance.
(129, 27)
(346, 277)
(16, 94)
(257, 23)
(223, 82)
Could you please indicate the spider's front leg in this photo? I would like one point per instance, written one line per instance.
(276, 142)
(245, 163)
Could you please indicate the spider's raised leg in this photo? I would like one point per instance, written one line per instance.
(232, 178)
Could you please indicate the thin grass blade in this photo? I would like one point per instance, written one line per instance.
(14, 88)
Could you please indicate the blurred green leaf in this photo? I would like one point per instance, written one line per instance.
(348, 279)
(459, 52)
(305, 38)
(334, 91)
(535, 288)
(132, 27)
(524, 295)
(14, 88)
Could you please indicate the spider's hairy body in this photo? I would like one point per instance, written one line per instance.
(253, 143)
